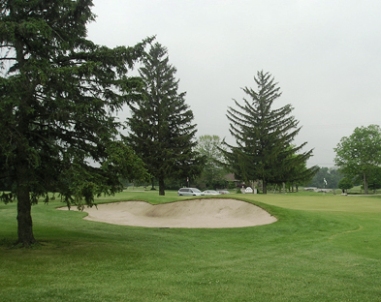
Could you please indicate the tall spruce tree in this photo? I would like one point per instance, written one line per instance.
(264, 136)
(57, 93)
(161, 129)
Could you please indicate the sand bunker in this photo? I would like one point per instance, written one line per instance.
(196, 213)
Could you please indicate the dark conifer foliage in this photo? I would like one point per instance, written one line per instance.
(161, 126)
(264, 136)
(57, 90)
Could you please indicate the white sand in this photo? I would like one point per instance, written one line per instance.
(196, 213)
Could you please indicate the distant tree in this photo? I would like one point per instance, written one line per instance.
(121, 164)
(360, 153)
(213, 172)
(331, 175)
(57, 93)
(345, 184)
(264, 136)
(161, 124)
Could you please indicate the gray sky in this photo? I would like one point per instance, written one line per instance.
(325, 55)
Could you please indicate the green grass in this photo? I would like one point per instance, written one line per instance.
(323, 248)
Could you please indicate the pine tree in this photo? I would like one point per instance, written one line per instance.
(57, 90)
(161, 129)
(264, 136)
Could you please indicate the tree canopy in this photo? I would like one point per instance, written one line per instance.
(161, 128)
(263, 137)
(58, 91)
(345, 184)
(374, 179)
(359, 154)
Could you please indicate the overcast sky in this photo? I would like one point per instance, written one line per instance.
(325, 56)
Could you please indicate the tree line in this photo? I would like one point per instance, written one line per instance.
(59, 93)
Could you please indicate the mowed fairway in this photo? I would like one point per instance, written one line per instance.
(322, 248)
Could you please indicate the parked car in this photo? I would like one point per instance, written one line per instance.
(224, 192)
(189, 192)
(210, 192)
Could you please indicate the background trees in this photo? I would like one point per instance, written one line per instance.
(161, 129)
(345, 184)
(331, 175)
(264, 136)
(213, 171)
(360, 154)
(57, 90)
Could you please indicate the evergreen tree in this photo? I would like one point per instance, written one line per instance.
(161, 129)
(298, 174)
(57, 90)
(263, 137)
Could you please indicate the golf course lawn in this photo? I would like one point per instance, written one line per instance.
(322, 248)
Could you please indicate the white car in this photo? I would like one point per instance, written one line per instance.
(224, 192)
(189, 192)
(210, 192)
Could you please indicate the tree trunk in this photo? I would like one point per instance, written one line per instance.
(24, 208)
(365, 184)
(24, 218)
(161, 186)
(153, 184)
(264, 187)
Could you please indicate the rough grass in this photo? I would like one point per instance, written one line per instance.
(323, 248)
